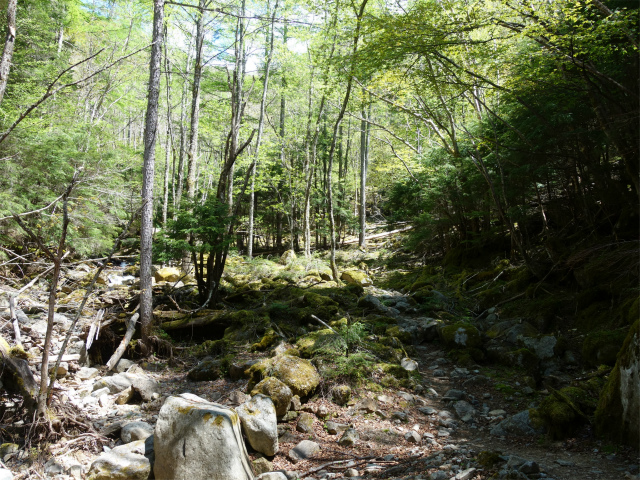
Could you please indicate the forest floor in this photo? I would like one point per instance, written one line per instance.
(448, 448)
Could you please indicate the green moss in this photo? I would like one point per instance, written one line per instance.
(269, 339)
(460, 334)
(399, 333)
(564, 411)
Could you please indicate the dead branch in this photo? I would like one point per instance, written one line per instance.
(131, 328)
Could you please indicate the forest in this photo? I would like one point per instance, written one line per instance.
(387, 199)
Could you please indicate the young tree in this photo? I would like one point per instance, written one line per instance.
(150, 133)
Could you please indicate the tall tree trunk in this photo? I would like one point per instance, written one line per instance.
(263, 102)
(359, 13)
(183, 134)
(169, 142)
(195, 104)
(150, 134)
(364, 160)
(9, 44)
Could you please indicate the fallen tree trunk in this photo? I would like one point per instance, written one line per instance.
(379, 235)
(131, 328)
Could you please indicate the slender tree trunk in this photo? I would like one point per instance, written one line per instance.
(168, 145)
(345, 102)
(364, 159)
(183, 134)
(263, 102)
(9, 44)
(195, 104)
(150, 134)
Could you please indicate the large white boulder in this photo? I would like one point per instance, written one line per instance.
(199, 440)
(260, 424)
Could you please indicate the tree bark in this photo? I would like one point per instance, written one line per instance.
(263, 102)
(150, 134)
(195, 104)
(9, 44)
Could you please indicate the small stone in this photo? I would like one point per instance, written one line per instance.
(52, 468)
(334, 428)
(428, 410)
(370, 405)
(262, 465)
(296, 404)
(412, 437)
(351, 472)
(453, 394)
(406, 396)
(86, 373)
(466, 474)
(565, 463)
(124, 396)
(497, 413)
(403, 417)
(341, 394)
(529, 467)
(409, 365)
(272, 476)
(349, 438)
(75, 471)
(290, 416)
(305, 423)
(303, 451)
(322, 411)
(133, 431)
(384, 399)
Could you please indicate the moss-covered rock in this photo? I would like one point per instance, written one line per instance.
(356, 277)
(618, 414)
(341, 394)
(565, 410)
(297, 373)
(460, 334)
(277, 391)
(399, 333)
(269, 339)
(602, 347)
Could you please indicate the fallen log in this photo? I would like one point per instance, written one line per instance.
(131, 328)
(379, 235)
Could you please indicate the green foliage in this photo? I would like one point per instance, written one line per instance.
(197, 229)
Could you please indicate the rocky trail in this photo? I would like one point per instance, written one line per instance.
(447, 420)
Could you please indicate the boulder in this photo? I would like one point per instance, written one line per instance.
(460, 334)
(305, 423)
(279, 393)
(167, 274)
(132, 461)
(341, 394)
(259, 423)
(304, 450)
(517, 425)
(349, 438)
(356, 277)
(262, 465)
(287, 257)
(199, 440)
(618, 414)
(297, 373)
